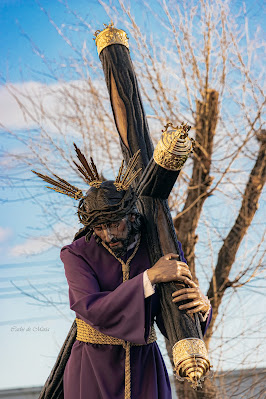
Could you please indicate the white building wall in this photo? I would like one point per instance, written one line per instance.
(21, 393)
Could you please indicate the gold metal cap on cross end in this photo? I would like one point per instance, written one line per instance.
(110, 35)
(191, 361)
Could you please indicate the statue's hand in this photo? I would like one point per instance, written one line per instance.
(199, 302)
(169, 268)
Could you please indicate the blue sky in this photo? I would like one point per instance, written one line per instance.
(22, 21)
(31, 332)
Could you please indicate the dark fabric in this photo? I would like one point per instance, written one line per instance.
(116, 61)
(160, 230)
(53, 387)
(157, 182)
(100, 298)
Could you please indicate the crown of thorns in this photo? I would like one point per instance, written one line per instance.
(88, 171)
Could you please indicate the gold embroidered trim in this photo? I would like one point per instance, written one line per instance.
(87, 333)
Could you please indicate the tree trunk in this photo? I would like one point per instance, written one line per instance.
(220, 281)
(186, 221)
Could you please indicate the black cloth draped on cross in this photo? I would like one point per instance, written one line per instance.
(154, 187)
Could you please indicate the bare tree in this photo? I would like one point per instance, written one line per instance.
(202, 66)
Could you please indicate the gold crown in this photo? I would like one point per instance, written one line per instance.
(174, 148)
(110, 35)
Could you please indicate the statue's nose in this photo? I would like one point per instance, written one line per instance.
(107, 235)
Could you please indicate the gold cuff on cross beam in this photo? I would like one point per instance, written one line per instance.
(174, 147)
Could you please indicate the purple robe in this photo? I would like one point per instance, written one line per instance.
(99, 297)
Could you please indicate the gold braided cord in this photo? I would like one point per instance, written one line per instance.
(88, 334)
(127, 372)
(125, 266)
(126, 345)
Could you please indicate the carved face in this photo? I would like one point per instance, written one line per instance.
(116, 234)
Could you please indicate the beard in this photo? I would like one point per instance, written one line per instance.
(121, 249)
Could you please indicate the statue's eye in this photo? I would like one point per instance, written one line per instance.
(97, 229)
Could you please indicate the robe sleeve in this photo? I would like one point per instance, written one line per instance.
(119, 313)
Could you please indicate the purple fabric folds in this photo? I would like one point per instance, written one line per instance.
(99, 297)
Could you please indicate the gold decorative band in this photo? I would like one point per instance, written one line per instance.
(87, 333)
(110, 35)
(174, 148)
(191, 360)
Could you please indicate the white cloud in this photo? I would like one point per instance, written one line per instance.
(31, 246)
(60, 236)
(11, 115)
(53, 107)
(5, 233)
